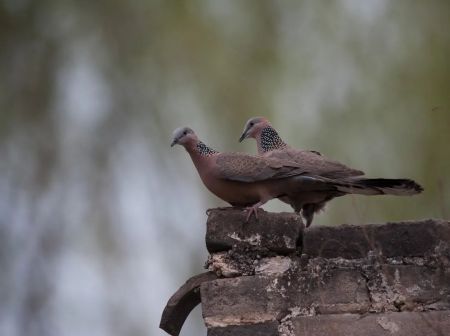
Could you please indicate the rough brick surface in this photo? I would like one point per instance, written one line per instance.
(275, 232)
(261, 329)
(340, 291)
(405, 239)
(242, 300)
(399, 324)
(182, 303)
(415, 285)
(262, 298)
(268, 277)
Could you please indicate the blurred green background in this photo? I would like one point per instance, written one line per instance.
(100, 221)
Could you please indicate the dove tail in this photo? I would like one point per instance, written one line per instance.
(380, 186)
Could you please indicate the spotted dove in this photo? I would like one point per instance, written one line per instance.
(270, 145)
(246, 180)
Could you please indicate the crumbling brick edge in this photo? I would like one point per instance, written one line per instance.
(266, 260)
(182, 303)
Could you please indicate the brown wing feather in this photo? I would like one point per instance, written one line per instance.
(248, 168)
(314, 164)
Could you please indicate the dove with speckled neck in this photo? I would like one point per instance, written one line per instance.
(237, 178)
(270, 145)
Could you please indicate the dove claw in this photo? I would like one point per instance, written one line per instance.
(251, 210)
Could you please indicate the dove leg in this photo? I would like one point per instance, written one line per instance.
(308, 211)
(253, 210)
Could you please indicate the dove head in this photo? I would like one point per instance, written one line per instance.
(253, 127)
(183, 136)
(267, 138)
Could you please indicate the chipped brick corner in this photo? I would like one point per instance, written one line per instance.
(269, 277)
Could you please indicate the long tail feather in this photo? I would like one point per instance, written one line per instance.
(379, 186)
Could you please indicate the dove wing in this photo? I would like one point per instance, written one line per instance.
(248, 168)
(314, 164)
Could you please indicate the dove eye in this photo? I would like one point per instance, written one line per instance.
(184, 133)
(251, 124)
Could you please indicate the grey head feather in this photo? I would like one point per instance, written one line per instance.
(179, 133)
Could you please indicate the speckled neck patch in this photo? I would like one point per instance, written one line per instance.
(270, 140)
(205, 150)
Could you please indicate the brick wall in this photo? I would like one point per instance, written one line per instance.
(269, 277)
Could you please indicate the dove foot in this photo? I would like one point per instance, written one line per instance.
(252, 210)
(301, 221)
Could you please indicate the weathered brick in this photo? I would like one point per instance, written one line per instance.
(410, 239)
(278, 232)
(418, 285)
(334, 287)
(325, 291)
(341, 291)
(399, 324)
(260, 329)
(403, 239)
(344, 241)
(182, 302)
(256, 299)
(250, 299)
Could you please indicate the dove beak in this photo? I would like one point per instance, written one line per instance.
(173, 143)
(243, 136)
